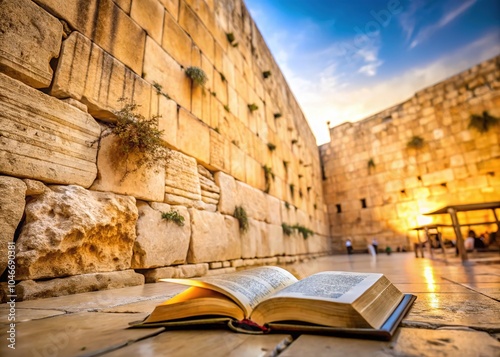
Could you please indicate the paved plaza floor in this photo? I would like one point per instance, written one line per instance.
(457, 313)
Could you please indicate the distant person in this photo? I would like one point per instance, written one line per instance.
(348, 245)
(469, 241)
(375, 245)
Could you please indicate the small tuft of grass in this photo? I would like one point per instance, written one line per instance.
(173, 216)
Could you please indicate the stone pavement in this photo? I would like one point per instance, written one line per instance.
(457, 313)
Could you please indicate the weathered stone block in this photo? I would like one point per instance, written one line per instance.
(123, 174)
(172, 7)
(160, 242)
(219, 151)
(180, 271)
(211, 240)
(44, 138)
(167, 121)
(238, 158)
(34, 187)
(161, 68)
(250, 240)
(12, 201)
(227, 199)
(104, 23)
(149, 15)
(252, 200)
(70, 231)
(275, 239)
(176, 41)
(88, 74)
(193, 137)
(29, 38)
(30, 290)
(195, 28)
(181, 178)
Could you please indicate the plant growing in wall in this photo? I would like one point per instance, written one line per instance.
(285, 165)
(173, 216)
(266, 74)
(294, 141)
(292, 190)
(306, 232)
(268, 176)
(253, 107)
(416, 142)
(287, 229)
(230, 38)
(159, 90)
(222, 77)
(287, 205)
(277, 115)
(371, 163)
(197, 75)
(271, 147)
(482, 123)
(241, 215)
(137, 136)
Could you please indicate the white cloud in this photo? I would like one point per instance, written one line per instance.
(370, 69)
(326, 100)
(445, 19)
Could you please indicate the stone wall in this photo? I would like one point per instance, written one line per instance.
(79, 222)
(370, 160)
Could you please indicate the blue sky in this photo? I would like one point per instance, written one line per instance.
(346, 60)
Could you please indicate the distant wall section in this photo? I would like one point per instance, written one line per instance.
(376, 185)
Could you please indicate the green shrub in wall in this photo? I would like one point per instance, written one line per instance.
(197, 75)
(173, 216)
(483, 123)
(241, 215)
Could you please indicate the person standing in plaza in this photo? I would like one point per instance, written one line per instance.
(375, 245)
(348, 245)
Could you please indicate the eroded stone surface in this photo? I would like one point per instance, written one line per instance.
(179, 271)
(210, 239)
(227, 199)
(181, 179)
(252, 200)
(45, 139)
(12, 201)
(160, 242)
(120, 173)
(34, 187)
(30, 289)
(30, 37)
(70, 231)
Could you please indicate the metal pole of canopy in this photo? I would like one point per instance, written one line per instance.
(441, 243)
(429, 242)
(496, 219)
(458, 234)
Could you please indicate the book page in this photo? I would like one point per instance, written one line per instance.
(342, 287)
(247, 287)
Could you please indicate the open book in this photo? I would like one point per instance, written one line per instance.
(272, 297)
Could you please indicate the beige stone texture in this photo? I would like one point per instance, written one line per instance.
(34, 187)
(172, 7)
(166, 110)
(252, 200)
(29, 38)
(160, 242)
(88, 74)
(191, 23)
(275, 239)
(44, 138)
(251, 239)
(125, 5)
(193, 137)
(238, 167)
(181, 178)
(219, 151)
(149, 15)
(70, 231)
(161, 68)
(105, 24)
(176, 41)
(227, 200)
(124, 174)
(179, 271)
(211, 240)
(12, 202)
(30, 289)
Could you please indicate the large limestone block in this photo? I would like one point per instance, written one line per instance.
(220, 151)
(238, 158)
(211, 239)
(160, 242)
(30, 290)
(105, 24)
(195, 28)
(227, 199)
(122, 175)
(90, 75)
(44, 138)
(181, 178)
(251, 239)
(275, 241)
(274, 210)
(149, 15)
(161, 68)
(70, 231)
(176, 41)
(252, 200)
(193, 137)
(29, 39)
(166, 110)
(12, 201)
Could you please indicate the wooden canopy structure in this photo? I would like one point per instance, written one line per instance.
(452, 210)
